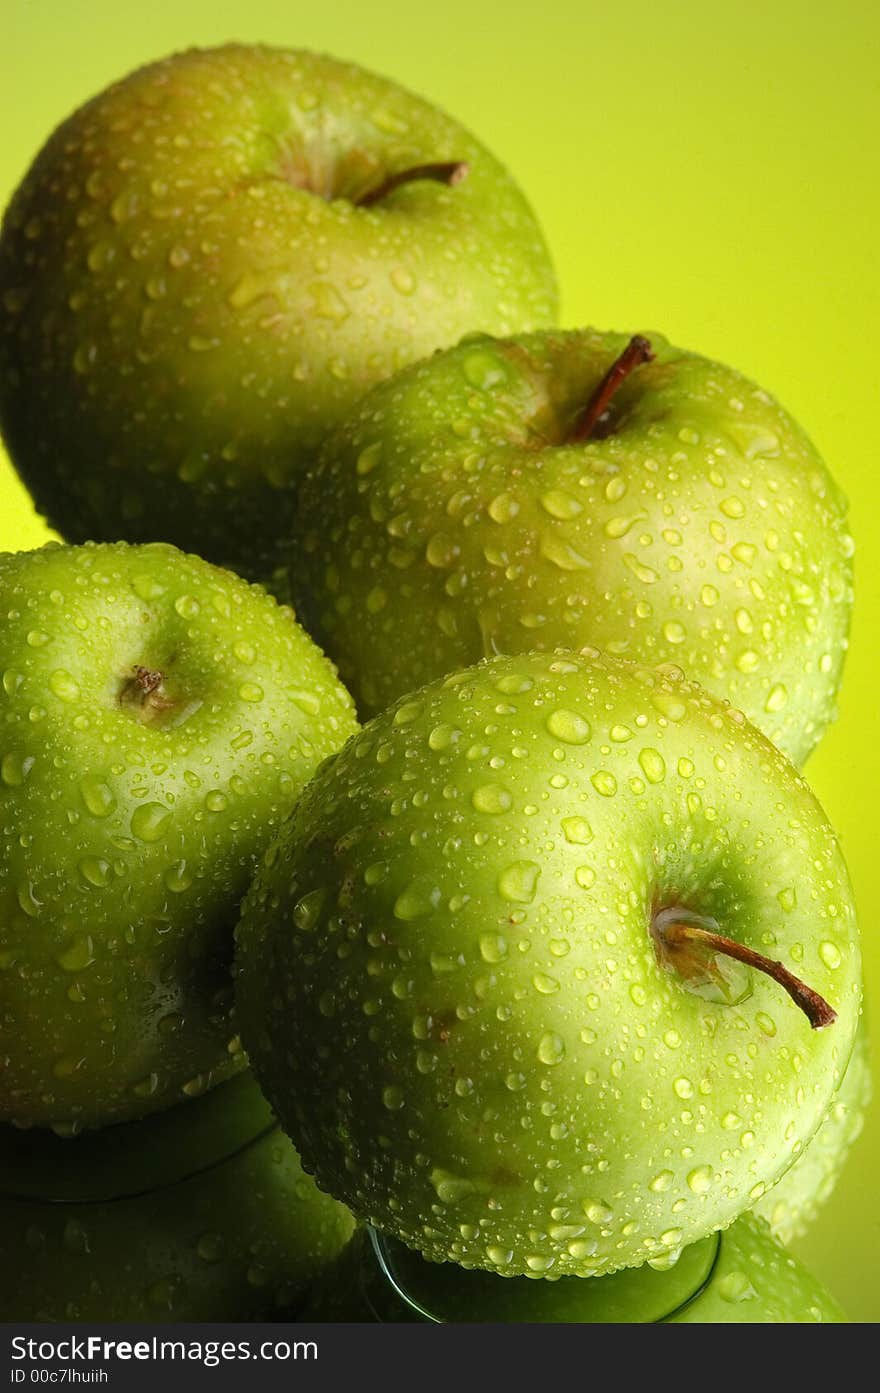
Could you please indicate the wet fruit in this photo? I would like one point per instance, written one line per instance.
(738, 1275)
(792, 1205)
(209, 262)
(158, 717)
(200, 1213)
(482, 980)
(488, 501)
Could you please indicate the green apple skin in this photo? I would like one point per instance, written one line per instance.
(191, 293)
(704, 530)
(447, 980)
(131, 822)
(202, 1212)
(794, 1202)
(738, 1276)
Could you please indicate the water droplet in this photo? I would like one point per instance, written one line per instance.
(709, 596)
(577, 831)
(484, 369)
(493, 947)
(653, 765)
(149, 822)
(776, 698)
(569, 727)
(63, 685)
(585, 877)
(449, 1188)
(669, 705)
(642, 572)
(560, 505)
(604, 782)
(250, 691)
(700, 1179)
(788, 898)
(78, 955)
(735, 1287)
(407, 713)
(830, 954)
(402, 280)
(597, 1211)
(501, 1257)
(661, 1181)
(618, 527)
(97, 796)
(518, 882)
(503, 508)
(674, 632)
(419, 898)
(551, 1048)
(187, 606)
(545, 984)
(392, 1097)
(216, 801)
(733, 507)
(748, 660)
(14, 768)
(492, 798)
(307, 910)
(95, 871)
(177, 878)
(684, 1088)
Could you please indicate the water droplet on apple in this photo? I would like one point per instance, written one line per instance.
(14, 768)
(653, 764)
(577, 831)
(604, 782)
(777, 698)
(492, 799)
(493, 947)
(211, 1247)
(551, 1048)
(560, 505)
(518, 882)
(569, 727)
(150, 821)
(65, 687)
(830, 954)
(597, 1211)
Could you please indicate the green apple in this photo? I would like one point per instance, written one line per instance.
(738, 1276)
(202, 1212)
(507, 974)
(158, 718)
(209, 262)
(792, 1205)
(507, 496)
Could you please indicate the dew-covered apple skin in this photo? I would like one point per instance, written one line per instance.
(704, 529)
(736, 1277)
(131, 820)
(448, 986)
(794, 1202)
(178, 1232)
(190, 292)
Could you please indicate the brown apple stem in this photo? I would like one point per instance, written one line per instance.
(676, 934)
(637, 351)
(144, 692)
(448, 172)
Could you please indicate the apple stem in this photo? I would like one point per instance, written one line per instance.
(675, 934)
(449, 172)
(637, 351)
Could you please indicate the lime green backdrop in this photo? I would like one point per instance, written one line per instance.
(704, 170)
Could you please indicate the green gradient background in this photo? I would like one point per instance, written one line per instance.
(705, 170)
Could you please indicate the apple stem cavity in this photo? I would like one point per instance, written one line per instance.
(449, 172)
(143, 692)
(683, 944)
(594, 414)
